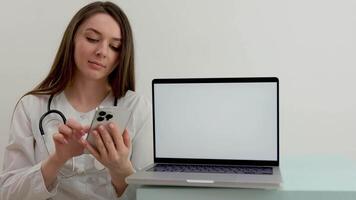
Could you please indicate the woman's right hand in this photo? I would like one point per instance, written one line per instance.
(68, 141)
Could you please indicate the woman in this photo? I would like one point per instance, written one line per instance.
(94, 66)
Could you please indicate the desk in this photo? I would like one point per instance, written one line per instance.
(311, 177)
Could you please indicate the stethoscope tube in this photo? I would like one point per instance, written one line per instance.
(49, 111)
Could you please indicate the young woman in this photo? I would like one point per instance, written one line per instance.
(94, 66)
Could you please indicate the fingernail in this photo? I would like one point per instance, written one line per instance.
(83, 142)
(111, 125)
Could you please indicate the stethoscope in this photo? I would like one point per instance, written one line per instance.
(62, 120)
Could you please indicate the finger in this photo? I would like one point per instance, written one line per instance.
(78, 135)
(57, 137)
(77, 129)
(116, 136)
(90, 148)
(108, 141)
(73, 124)
(82, 142)
(99, 144)
(86, 129)
(127, 139)
(69, 133)
(65, 130)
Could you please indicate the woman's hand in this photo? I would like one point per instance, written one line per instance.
(112, 150)
(68, 141)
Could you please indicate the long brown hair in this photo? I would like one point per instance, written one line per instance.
(121, 79)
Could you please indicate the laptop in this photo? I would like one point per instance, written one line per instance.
(214, 132)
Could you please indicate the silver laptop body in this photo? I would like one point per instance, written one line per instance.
(214, 132)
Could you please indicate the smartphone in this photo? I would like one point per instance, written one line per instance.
(105, 115)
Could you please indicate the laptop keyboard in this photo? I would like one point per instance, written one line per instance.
(211, 169)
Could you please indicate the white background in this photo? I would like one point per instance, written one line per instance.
(309, 44)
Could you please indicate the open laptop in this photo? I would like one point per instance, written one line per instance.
(214, 132)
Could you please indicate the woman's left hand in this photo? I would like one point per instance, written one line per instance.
(112, 150)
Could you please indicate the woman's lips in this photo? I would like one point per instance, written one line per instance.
(97, 64)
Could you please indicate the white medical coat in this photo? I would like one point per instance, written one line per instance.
(22, 179)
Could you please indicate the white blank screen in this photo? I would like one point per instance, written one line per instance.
(216, 120)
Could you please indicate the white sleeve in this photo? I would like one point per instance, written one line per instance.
(142, 143)
(21, 177)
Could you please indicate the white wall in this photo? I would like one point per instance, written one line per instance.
(309, 44)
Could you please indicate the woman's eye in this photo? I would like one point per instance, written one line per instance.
(115, 48)
(92, 39)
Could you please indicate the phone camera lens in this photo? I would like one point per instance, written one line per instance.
(108, 116)
(100, 119)
(102, 113)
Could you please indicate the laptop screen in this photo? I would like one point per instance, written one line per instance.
(216, 119)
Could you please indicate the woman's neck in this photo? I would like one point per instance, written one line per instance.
(87, 94)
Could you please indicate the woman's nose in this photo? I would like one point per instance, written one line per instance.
(102, 50)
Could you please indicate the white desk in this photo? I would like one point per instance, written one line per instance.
(312, 177)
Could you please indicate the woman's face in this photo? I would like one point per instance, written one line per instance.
(96, 47)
